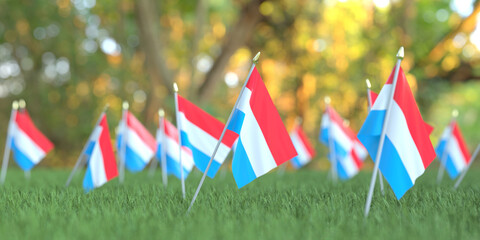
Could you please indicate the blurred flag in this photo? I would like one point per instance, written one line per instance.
(102, 166)
(170, 139)
(453, 145)
(29, 145)
(263, 141)
(407, 149)
(200, 133)
(374, 96)
(302, 145)
(140, 146)
(349, 152)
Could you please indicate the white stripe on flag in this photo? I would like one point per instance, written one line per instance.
(97, 167)
(403, 142)
(135, 143)
(202, 140)
(25, 144)
(172, 151)
(253, 140)
(456, 154)
(303, 155)
(349, 165)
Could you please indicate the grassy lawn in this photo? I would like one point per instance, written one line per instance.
(296, 205)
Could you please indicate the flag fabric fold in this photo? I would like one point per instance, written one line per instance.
(200, 133)
(407, 149)
(171, 148)
(349, 152)
(263, 142)
(302, 146)
(457, 155)
(101, 166)
(29, 145)
(140, 145)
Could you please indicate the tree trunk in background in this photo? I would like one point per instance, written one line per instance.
(235, 39)
(147, 19)
(200, 16)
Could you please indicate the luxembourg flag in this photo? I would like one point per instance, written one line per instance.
(373, 97)
(200, 133)
(140, 146)
(302, 145)
(29, 145)
(170, 140)
(456, 151)
(407, 149)
(349, 152)
(102, 166)
(263, 142)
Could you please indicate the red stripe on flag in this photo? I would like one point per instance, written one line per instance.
(269, 120)
(304, 139)
(461, 142)
(105, 142)
(142, 132)
(25, 123)
(205, 121)
(335, 117)
(373, 96)
(356, 159)
(404, 98)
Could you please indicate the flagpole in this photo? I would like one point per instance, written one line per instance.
(123, 143)
(21, 107)
(154, 164)
(331, 143)
(179, 128)
(163, 157)
(8, 143)
(254, 62)
(443, 160)
(400, 56)
(370, 103)
(82, 154)
(468, 167)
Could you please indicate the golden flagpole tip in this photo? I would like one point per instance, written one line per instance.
(255, 59)
(175, 87)
(327, 100)
(161, 112)
(368, 83)
(401, 53)
(455, 113)
(22, 104)
(15, 105)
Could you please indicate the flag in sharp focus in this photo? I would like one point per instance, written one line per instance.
(302, 146)
(373, 97)
(140, 146)
(200, 133)
(29, 145)
(407, 149)
(349, 152)
(457, 155)
(170, 140)
(102, 166)
(263, 141)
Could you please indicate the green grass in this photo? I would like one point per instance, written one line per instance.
(297, 205)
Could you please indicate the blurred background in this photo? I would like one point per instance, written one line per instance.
(68, 58)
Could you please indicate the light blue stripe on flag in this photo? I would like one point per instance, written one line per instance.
(88, 181)
(133, 162)
(201, 159)
(21, 159)
(242, 169)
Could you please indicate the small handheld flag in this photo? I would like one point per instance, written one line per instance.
(395, 136)
(135, 144)
(468, 167)
(263, 142)
(167, 141)
(452, 151)
(102, 166)
(349, 153)
(302, 146)
(28, 144)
